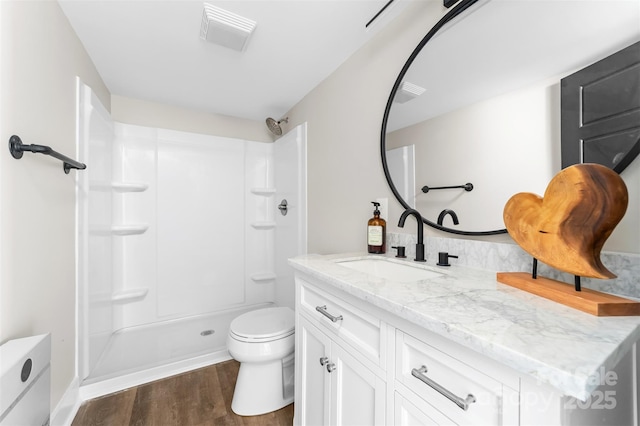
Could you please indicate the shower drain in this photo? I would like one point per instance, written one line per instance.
(207, 332)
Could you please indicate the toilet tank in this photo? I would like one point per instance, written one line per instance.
(25, 381)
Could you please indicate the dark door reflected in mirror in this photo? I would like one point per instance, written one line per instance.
(600, 110)
(478, 102)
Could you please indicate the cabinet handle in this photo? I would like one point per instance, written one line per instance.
(323, 360)
(330, 367)
(460, 402)
(323, 310)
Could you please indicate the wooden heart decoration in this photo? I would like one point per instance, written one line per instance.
(567, 228)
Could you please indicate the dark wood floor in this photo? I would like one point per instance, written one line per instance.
(199, 397)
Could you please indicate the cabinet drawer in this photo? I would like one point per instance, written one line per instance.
(355, 327)
(409, 412)
(448, 384)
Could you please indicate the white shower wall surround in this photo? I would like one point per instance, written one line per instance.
(200, 237)
(176, 237)
(177, 234)
(94, 221)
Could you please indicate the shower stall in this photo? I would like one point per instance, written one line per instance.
(178, 233)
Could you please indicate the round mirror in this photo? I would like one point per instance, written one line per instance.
(474, 115)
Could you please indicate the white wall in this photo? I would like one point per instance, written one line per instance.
(40, 59)
(152, 114)
(344, 116)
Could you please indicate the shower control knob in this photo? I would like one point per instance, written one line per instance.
(330, 367)
(283, 207)
(324, 360)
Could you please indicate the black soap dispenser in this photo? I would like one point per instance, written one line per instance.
(376, 232)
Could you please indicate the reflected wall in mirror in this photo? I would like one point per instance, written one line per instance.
(479, 99)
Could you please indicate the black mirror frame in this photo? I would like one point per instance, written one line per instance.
(458, 9)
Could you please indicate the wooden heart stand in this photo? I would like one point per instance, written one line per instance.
(566, 229)
(587, 300)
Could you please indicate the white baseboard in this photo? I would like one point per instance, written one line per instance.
(108, 386)
(66, 410)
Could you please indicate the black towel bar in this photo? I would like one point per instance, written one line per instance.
(467, 187)
(17, 148)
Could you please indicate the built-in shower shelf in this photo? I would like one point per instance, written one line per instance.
(123, 230)
(263, 225)
(263, 191)
(129, 186)
(263, 276)
(129, 295)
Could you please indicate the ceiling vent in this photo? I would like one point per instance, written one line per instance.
(225, 28)
(408, 91)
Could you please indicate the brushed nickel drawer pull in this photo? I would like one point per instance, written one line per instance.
(324, 360)
(323, 310)
(460, 402)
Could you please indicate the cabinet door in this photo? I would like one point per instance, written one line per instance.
(312, 378)
(358, 394)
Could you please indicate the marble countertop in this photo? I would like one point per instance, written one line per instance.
(555, 344)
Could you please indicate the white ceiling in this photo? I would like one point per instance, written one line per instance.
(151, 50)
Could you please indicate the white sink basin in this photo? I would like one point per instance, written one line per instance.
(389, 270)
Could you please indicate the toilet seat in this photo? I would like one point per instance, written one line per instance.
(263, 325)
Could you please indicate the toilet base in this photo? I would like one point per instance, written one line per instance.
(263, 387)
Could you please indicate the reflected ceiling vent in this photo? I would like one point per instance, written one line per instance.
(408, 91)
(225, 28)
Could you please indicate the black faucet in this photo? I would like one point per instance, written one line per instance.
(449, 212)
(420, 245)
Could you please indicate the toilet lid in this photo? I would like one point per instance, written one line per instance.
(264, 323)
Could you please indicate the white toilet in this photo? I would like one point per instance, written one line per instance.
(263, 342)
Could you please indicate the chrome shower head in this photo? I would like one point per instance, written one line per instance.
(274, 126)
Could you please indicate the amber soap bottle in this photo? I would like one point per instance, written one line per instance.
(376, 232)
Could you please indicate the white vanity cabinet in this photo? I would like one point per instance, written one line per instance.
(334, 387)
(354, 368)
(340, 356)
(419, 353)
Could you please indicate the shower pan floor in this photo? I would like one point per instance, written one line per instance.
(157, 350)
